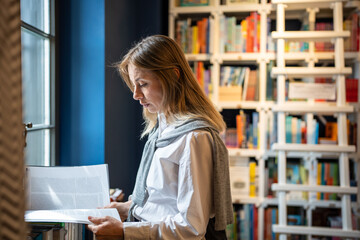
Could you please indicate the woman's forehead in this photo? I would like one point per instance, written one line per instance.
(137, 72)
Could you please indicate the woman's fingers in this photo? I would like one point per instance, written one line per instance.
(106, 227)
(97, 220)
(93, 228)
(111, 205)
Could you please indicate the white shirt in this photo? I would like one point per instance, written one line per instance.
(180, 189)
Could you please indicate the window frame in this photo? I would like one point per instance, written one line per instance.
(50, 83)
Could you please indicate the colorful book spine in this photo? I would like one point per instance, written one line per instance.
(255, 118)
(335, 179)
(288, 129)
(352, 86)
(250, 34)
(239, 129)
(252, 179)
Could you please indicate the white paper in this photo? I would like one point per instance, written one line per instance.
(67, 194)
(53, 188)
(71, 215)
(326, 91)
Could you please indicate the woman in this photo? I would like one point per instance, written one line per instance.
(182, 187)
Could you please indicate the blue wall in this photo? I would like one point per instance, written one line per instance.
(98, 121)
(81, 44)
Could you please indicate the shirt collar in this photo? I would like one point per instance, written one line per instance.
(162, 122)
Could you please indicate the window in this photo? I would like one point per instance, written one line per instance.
(38, 80)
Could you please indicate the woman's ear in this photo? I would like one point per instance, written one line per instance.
(177, 72)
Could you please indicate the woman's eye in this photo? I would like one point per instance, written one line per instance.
(142, 85)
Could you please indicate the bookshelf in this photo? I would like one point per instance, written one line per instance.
(339, 71)
(298, 64)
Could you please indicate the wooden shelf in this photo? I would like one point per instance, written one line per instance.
(243, 152)
(236, 8)
(256, 57)
(238, 105)
(293, 203)
(197, 57)
(306, 203)
(325, 148)
(240, 56)
(322, 231)
(246, 200)
(303, 1)
(310, 72)
(230, 8)
(293, 154)
(192, 10)
(307, 108)
(319, 188)
(310, 35)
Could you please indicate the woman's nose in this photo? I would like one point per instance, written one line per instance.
(137, 94)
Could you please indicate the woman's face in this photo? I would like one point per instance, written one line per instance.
(147, 88)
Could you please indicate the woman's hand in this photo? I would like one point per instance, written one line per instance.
(121, 207)
(106, 227)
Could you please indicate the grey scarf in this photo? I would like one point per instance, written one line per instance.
(221, 194)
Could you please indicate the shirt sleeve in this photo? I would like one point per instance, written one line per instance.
(136, 230)
(194, 199)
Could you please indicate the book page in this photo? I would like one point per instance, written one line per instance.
(58, 188)
(71, 215)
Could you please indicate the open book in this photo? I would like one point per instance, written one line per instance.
(67, 194)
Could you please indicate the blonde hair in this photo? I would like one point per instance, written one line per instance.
(183, 97)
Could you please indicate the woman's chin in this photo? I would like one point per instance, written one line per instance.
(151, 110)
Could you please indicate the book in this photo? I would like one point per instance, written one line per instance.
(294, 129)
(304, 176)
(327, 179)
(222, 26)
(248, 222)
(271, 172)
(231, 140)
(267, 224)
(246, 83)
(243, 224)
(334, 172)
(68, 194)
(251, 221)
(239, 182)
(288, 129)
(252, 179)
(274, 220)
(255, 222)
(252, 86)
(250, 33)
(238, 39)
(195, 42)
(244, 34)
(352, 86)
(255, 132)
(293, 177)
(256, 32)
(240, 129)
(231, 34)
(192, 3)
